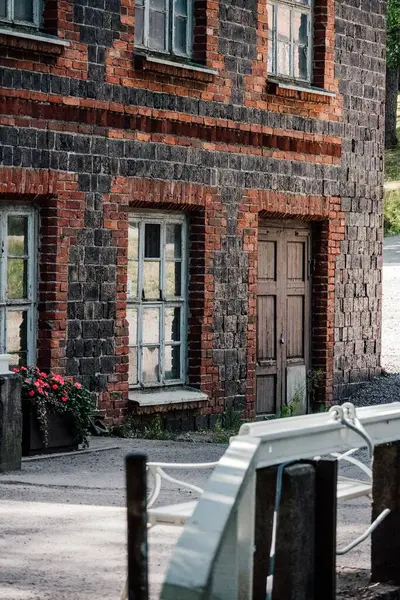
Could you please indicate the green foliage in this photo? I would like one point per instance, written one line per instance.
(391, 212)
(227, 425)
(154, 430)
(50, 392)
(313, 380)
(393, 34)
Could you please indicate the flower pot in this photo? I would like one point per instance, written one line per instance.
(62, 434)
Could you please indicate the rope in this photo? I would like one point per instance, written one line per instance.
(348, 417)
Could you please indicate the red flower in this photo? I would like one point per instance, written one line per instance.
(55, 387)
(78, 386)
(59, 379)
(15, 370)
(40, 390)
(31, 393)
(24, 369)
(43, 375)
(27, 380)
(64, 398)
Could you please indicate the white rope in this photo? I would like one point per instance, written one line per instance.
(348, 417)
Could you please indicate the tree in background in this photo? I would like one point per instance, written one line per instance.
(392, 71)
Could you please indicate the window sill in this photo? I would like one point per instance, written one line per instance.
(167, 396)
(32, 41)
(293, 90)
(148, 62)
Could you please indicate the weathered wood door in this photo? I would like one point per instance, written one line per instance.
(283, 316)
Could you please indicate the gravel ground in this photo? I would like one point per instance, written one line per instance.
(387, 388)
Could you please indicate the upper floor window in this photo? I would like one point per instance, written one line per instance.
(164, 26)
(20, 12)
(290, 39)
(17, 285)
(157, 300)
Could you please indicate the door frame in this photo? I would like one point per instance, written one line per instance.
(305, 226)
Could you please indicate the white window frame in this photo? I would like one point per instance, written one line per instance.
(170, 48)
(182, 301)
(29, 304)
(37, 4)
(300, 8)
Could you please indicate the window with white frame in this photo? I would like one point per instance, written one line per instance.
(164, 26)
(17, 285)
(157, 300)
(21, 12)
(289, 39)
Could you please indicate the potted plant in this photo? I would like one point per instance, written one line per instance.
(56, 413)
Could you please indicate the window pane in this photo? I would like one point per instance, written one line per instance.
(139, 25)
(283, 66)
(172, 320)
(17, 287)
(132, 279)
(181, 8)
(17, 235)
(157, 5)
(151, 325)
(133, 366)
(172, 362)
(131, 315)
(270, 17)
(300, 62)
(3, 8)
(283, 24)
(23, 10)
(173, 282)
(270, 57)
(152, 236)
(133, 241)
(173, 241)
(180, 35)
(17, 335)
(300, 28)
(151, 280)
(157, 31)
(150, 365)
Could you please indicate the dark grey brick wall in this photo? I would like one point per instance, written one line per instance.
(360, 43)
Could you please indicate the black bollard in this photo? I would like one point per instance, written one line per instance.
(138, 587)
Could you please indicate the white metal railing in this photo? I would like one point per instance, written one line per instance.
(214, 556)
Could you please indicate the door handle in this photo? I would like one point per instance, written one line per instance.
(282, 338)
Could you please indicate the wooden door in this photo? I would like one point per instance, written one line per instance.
(283, 307)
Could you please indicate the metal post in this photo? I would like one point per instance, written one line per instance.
(385, 540)
(137, 527)
(325, 528)
(294, 565)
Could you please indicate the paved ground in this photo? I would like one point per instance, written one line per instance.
(63, 522)
(391, 305)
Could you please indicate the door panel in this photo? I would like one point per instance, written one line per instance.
(266, 308)
(283, 306)
(295, 327)
(266, 394)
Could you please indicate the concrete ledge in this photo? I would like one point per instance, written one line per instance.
(33, 37)
(167, 396)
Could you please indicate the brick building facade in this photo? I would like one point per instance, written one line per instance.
(193, 223)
